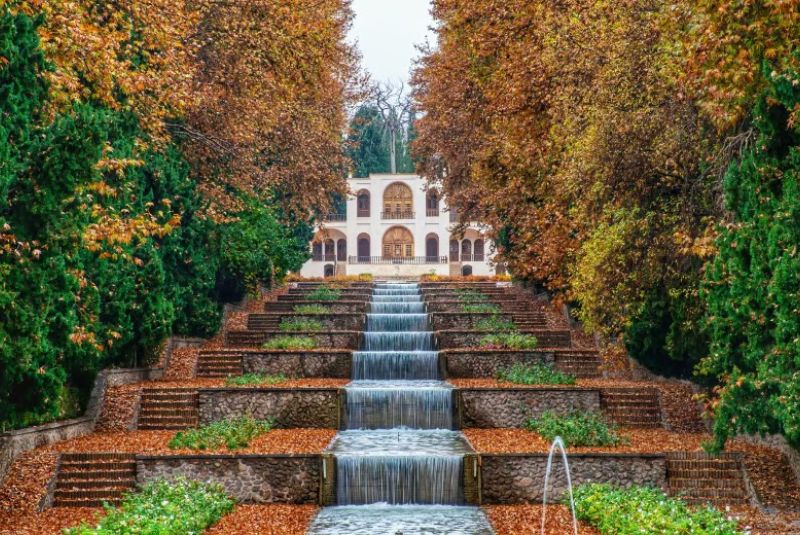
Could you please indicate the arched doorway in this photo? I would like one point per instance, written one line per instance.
(466, 251)
(398, 202)
(432, 203)
(432, 248)
(466, 271)
(341, 250)
(329, 270)
(316, 251)
(362, 203)
(363, 247)
(454, 250)
(398, 242)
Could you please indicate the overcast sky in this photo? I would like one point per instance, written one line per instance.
(386, 31)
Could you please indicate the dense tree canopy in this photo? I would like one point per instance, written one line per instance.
(151, 155)
(594, 138)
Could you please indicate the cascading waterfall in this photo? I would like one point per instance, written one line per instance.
(399, 465)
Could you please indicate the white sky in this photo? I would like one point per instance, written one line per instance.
(386, 32)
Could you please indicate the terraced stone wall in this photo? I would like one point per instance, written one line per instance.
(334, 364)
(488, 408)
(486, 363)
(518, 478)
(461, 339)
(296, 408)
(291, 479)
(455, 320)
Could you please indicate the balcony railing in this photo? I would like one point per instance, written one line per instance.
(432, 212)
(363, 212)
(453, 216)
(401, 214)
(404, 260)
(336, 218)
(470, 257)
(323, 258)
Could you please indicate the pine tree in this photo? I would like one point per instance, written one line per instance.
(368, 141)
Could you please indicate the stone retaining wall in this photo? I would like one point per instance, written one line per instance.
(519, 478)
(511, 407)
(486, 362)
(468, 339)
(302, 407)
(329, 322)
(335, 307)
(459, 321)
(325, 340)
(300, 364)
(247, 478)
(13, 443)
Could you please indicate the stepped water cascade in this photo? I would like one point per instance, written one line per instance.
(399, 464)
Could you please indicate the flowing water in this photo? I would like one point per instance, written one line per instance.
(399, 464)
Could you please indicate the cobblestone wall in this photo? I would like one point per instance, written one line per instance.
(486, 408)
(299, 364)
(305, 408)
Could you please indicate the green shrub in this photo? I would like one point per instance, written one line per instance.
(255, 379)
(323, 293)
(638, 510)
(579, 429)
(535, 374)
(480, 308)
(300, 325)
(233, 434)
(508, 341)
(312, 309)
(163, 508)
(290, 342)
(496, 324)
(468, 296)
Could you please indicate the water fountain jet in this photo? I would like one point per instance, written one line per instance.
(558, 443)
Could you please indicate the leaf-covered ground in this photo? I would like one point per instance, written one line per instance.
(277, 441)
(519, 519)
(265, 520)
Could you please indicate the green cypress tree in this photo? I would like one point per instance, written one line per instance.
(369, 148)
(753, 286)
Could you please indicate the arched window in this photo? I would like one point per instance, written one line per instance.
(329, 270)
(330, 250)
(432, 203)
(341, 250)
(466, 271)
(466, 251)
(454, 250)
(398, 202)
(478, 252)
(363, 248)
(432, 248)
(316, 251)
(362, 203)
(398, 242)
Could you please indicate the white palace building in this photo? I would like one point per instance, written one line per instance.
(395, 227)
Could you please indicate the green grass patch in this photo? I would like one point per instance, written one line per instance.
(579, 429)
(495, 323)
(300, 325)
(323, 293)
(480, 308)
(511, 340)
(312, 309)
(638, 510)
(163, 508)
(468, 295)
(255, 379)
(290, 343)
(535, 374)
(232, 434)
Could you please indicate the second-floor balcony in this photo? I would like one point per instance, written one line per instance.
(336, 218)
(432, 212)
(398, 260)
(478, 257)
(323, 257)
(398, 214)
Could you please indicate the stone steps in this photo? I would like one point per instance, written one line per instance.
(219, 364)
(700, 478)
(632, 408)
(167, 409)
(92, 479)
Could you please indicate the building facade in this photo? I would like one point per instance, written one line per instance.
(394, 227)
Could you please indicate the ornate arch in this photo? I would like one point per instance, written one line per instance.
(398, 242)
(398, 200)
(363, 203)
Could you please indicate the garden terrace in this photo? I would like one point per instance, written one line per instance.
(328, 322)
(469, 339)
(482, 363)
(334, 307)
(324, 340)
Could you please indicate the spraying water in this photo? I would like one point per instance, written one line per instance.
(558, 443)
